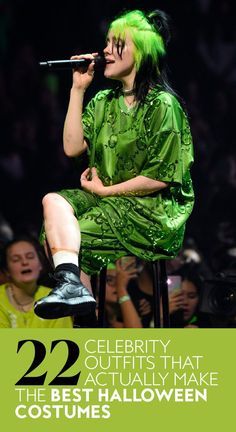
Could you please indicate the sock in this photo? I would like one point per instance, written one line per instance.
(66, 261)
(64, 256)
(68, 267)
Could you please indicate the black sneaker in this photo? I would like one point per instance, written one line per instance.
(69, 297)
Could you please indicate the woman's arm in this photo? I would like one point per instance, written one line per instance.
(73, 134)
(130, 316)
(138, 186)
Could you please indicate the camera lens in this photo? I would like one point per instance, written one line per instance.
(223, 300)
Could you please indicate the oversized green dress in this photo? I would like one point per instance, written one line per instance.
(152, 140)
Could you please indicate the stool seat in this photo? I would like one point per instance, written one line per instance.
(160, 295)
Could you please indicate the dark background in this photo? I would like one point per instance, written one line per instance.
(202, 62)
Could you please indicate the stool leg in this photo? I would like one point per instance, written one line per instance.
(164, 294)
(101, 297)
(156, 295)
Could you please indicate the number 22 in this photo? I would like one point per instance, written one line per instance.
(39, 355)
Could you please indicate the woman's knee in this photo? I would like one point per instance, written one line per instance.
(55, 202)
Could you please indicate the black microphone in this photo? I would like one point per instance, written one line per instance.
(99, 61)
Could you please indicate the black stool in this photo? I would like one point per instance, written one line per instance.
(160, 294)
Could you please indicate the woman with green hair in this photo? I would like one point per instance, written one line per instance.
(137, 192)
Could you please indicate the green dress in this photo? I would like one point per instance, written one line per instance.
(151, 140)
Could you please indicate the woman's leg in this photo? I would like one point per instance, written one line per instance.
(70, 296)
(61, 226)
(62, 232)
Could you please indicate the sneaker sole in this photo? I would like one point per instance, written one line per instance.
(56, 310)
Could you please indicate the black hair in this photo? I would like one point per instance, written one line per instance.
(148, 76)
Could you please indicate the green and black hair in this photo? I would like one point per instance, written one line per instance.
(150, 34)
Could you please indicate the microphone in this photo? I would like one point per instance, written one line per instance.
(99, 61)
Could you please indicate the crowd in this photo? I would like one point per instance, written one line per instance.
(197, 298)
(203, 64)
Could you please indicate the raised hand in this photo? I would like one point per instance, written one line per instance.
(83, 77)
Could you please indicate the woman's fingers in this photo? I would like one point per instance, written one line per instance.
(81, 56)
(94, 172)
(85, 174)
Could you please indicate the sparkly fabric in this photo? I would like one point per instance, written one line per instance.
(152, 140)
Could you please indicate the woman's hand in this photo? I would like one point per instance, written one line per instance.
(83, 77)
(144, 307)
(176, 300)
(124, 273)
(93, 184)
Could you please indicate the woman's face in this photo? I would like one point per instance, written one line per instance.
(191, 299)
(121, 66)
(23, 264)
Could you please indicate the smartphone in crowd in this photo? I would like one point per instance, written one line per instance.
(174, 283)
(174, 286)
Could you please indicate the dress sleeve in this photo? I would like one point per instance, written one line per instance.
(165, 142)
(88, 120)
(93, 115)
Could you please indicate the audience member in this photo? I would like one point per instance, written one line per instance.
(22, 263)
(120, 310)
